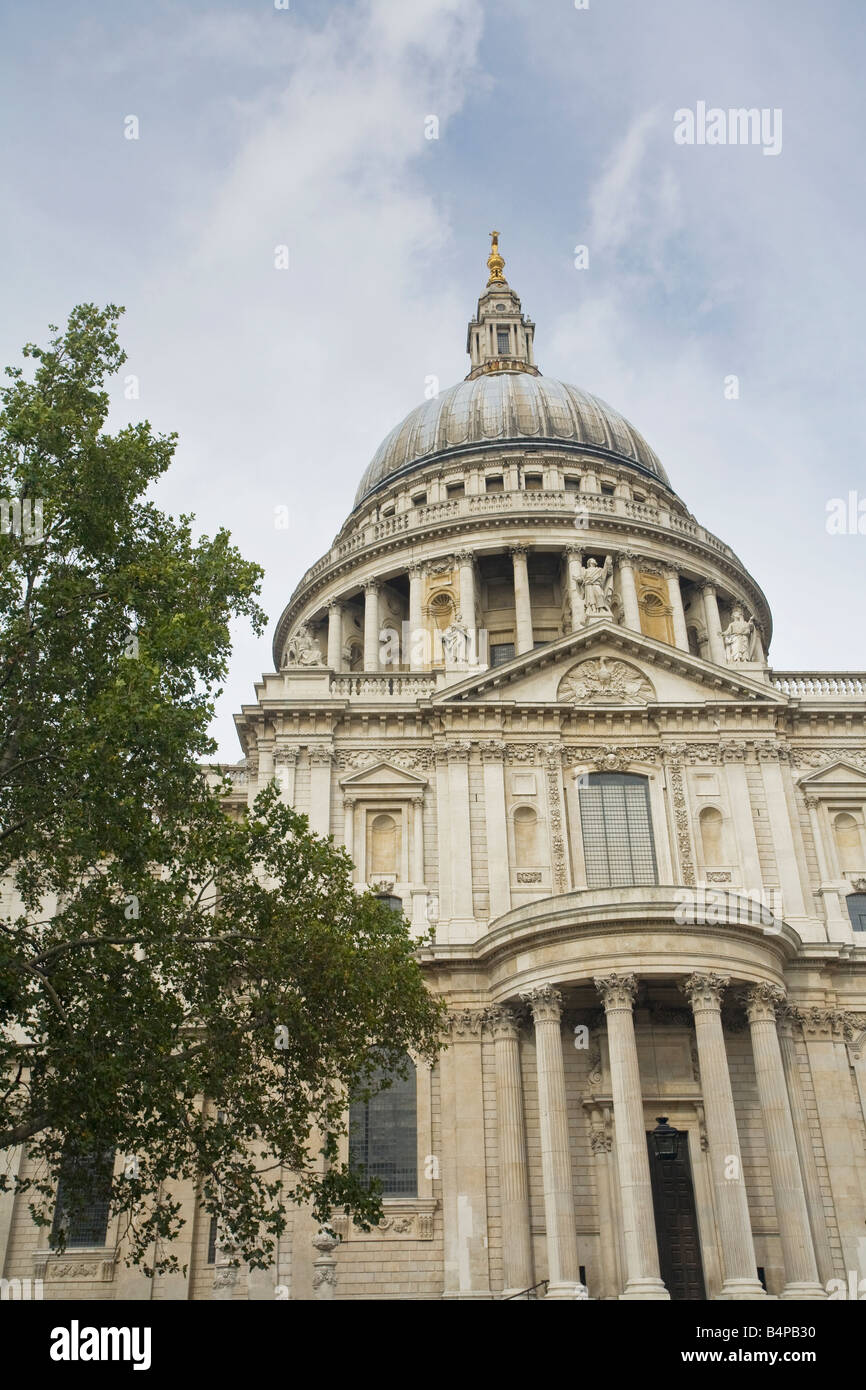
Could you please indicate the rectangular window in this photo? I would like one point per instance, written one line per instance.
(383, 1137)
(503, 342)
(532, 482)
(494, 484)
(83, 1195)
(617, 833)
(211, 1241)
(419, 499)
(857, 910)
(572, 484)
(455, 490)
(500, 652)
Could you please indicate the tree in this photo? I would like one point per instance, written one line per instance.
(194, 993)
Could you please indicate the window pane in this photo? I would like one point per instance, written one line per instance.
(500, 652)
(857, 910)
(84, 1216)
(503, 339)
(383, 1137)
(617, 831)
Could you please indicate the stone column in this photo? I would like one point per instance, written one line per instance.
(602, 1144)
(714, 625)
(734, 761)
(681, 636)
(739, 1268)
(628, 591)
(513, 1182)
(836, 919)
(335, 635)
(443, 834)
(562, 1266)
(371, 625)
(466, 566)
(575, 602)
(464, 1161)
(779, 816)
(418, 914)
(321, 759)
(825, 1031)
(416, 654)
(522, 605)
(499, 874)
(349, 826)
(285, 762)
(798, 1254)
(805, 1148)
(644, 1281)
(463, 915)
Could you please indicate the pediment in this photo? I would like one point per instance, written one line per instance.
(835, 774)
(608, 665)
(383, 775)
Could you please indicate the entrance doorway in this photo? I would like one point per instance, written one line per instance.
(677, 1223)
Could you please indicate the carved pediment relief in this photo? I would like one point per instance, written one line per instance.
(605, 679)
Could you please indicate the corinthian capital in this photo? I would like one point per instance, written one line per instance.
(502, 1022)
(705, 991)
(545, 1003)
(763, 1001)
(616, 991)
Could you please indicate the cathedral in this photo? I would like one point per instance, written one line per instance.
(531, 695)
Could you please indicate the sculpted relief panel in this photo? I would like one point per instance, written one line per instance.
(601, 679)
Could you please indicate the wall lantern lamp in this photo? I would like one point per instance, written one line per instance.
(666, 1139)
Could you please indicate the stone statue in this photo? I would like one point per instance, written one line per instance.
(741, 637)
(596, 588)
(455, 641)
(302, 649)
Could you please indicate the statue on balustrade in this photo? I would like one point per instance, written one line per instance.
(595, 583)
(455, 641)
(742, 642)
(302, 649)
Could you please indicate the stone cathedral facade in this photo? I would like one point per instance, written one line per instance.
(530, 694)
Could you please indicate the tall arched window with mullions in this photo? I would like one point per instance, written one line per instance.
(616, 825)
(383, 1136)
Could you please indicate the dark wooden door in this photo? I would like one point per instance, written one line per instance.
(677, 1223)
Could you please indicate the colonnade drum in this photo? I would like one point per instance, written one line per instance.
(532, 696)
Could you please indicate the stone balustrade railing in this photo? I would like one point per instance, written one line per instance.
(394, 687)
(820, 683)
(532, 501)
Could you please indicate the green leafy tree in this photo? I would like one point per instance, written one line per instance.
(194, 993)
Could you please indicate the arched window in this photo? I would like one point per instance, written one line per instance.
(618, 844)
(849, 842)
(712, 840)
(526, 837)
(383, 845)
(383, 1136)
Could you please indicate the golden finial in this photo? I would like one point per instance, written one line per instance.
(495, 263)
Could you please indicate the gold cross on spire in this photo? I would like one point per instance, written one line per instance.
(495, 263)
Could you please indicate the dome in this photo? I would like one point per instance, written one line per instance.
(508, 407)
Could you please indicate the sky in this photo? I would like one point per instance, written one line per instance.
(306, 127)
